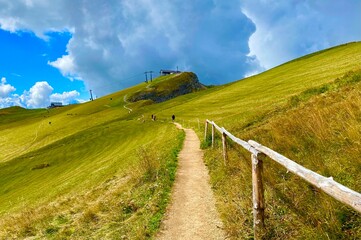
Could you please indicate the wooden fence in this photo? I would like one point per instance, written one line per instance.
(258, 153)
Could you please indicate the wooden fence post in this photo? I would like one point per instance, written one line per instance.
(258, 195)
(212, 136)
(224, 143)
(205, 131)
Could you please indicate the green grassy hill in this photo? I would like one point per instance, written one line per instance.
(96, 170)
(167, 87)
(51, 162)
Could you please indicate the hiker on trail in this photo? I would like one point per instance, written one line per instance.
(154, 117)
(173, 117)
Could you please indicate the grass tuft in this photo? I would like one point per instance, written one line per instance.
(40, 166)
(149, 163)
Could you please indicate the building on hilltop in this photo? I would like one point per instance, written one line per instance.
(163, 72)
(56, 104)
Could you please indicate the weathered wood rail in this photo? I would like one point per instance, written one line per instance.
(258, 153)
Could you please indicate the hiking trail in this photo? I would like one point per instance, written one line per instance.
(192, 212)
(126, 103)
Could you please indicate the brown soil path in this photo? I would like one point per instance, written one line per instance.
(192, 214)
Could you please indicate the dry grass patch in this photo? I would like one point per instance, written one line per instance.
(321, 132)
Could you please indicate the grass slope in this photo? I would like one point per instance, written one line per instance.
(97, 155)
(321, 133)
(239, 103)
(57, 157)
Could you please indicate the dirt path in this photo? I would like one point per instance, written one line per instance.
(192, 214)
(126, 103)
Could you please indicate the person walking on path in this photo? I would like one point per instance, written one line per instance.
(173, 117)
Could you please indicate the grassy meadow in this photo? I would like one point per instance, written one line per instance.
(96, 170)
(85, 171)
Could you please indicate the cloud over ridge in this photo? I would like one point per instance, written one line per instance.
(221, 41)
(112, 40)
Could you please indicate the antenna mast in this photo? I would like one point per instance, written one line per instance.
(146, 77)
(91, 95)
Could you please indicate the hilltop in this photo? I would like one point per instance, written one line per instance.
(102, 171)
(167, 87)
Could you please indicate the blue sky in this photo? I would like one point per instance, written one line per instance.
(58, 50)
(25, 57)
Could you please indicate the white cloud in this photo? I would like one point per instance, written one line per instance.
(39, 96)
(9, 24)
(29, 3)
(16, 75)
(25, 15)
(289, 29)
(5, 89)
(253, 61)
(66, 66)
(65, 97)
(10, 101)
(250, 74)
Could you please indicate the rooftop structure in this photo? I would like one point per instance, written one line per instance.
(55, 104)
(168, 72)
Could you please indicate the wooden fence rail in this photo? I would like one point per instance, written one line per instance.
(258, 152)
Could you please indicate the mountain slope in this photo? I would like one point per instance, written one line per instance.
(54, 162)
(244, 100)
(100, 153)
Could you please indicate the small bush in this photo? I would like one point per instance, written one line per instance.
(149, 163)
(89, 216)
(51, 230)
(41, 166)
